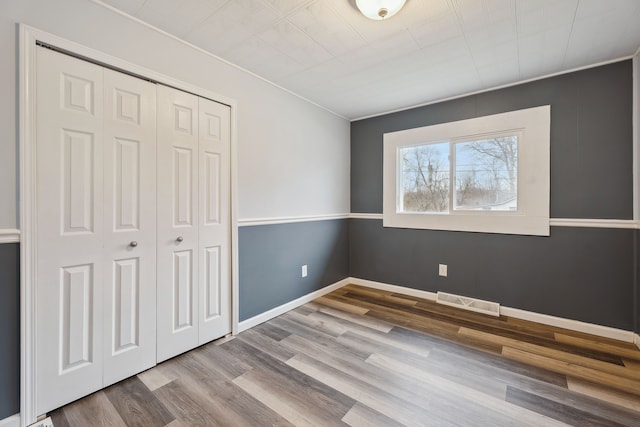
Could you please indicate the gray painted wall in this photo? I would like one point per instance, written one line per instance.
(270, 257)
(577, 273)
(591, 139)
(9, 330)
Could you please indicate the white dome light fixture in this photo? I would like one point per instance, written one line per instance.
(379, 9)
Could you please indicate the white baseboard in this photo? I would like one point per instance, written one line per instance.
(545, 319)
(277, 311)
(394, 288)
(12, 421)
(573, 325)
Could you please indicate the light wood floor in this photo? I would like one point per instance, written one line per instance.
(365, 357)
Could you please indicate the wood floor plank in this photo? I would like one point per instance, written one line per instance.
(388, 404)
(215, 403)
(524, 380)
(440, 312)
(433, 328)
(379, 378)
(558, 330)
(191, 364)
(484, 381)
(613, 369)
(631, 364)
(317, 337)
(353, 367)
(629, 352)
(606, 394)
(59, 419)
(365, 321)
(369, 345)
(488, 324)
(363, 416)
(174, 423)
(217, 397)
(301, 391)
(184, 407)
(621, 383)
(501, 322)
(223, 340)
(136, 404)
(476, 361)
(589, 353)
(304, 309)
(154, 378)
(304, 405)
(400, 316)
(266, 344)
(95, 409)
(381, 295)
(314, 305)
(496, 326)
(340, 290)
(220, 361)
(466, 395)
(557, 410)
(349, 308)
(374, 334)
(317, 323)
(361, 356)
(287, 409)
(274, 332)
(368, 384)
(419, 306)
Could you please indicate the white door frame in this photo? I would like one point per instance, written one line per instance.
(28, 37)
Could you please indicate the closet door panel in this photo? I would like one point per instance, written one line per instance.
(178, 221)
(129, 226)
(69, 216)
(214, 225)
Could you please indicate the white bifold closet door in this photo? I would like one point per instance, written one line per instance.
(193, 221)
(96, 228)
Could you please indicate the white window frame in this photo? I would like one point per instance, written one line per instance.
(532, 215)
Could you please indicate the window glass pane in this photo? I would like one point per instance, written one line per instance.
(424, 178)
(486, 174)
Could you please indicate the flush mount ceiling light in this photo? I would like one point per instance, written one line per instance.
(379, 9)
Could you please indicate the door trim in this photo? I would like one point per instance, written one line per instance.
(27, 39)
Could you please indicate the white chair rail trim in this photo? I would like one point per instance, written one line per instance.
(9, 235)
(554, 222)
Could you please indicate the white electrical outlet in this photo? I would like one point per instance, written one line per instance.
(442, 270)
(304, 270)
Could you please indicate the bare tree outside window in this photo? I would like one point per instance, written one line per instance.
(486, 174)
(425, 178)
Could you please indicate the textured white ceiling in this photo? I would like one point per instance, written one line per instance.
(327, 52)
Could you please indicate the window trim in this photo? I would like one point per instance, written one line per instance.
(532, 216)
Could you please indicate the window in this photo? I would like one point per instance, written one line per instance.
(487, 174)
(484, 170)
